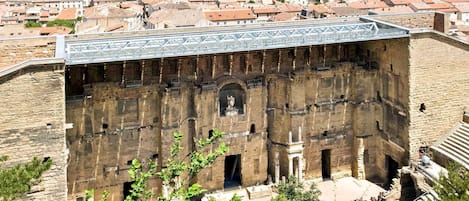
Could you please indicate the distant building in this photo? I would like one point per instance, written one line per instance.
(230, 17)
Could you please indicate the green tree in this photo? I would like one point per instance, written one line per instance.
(198, 160)
(176, 167)
(17, 180)
(454, 186)
(293, 190)
(140, 180)
(32, 24)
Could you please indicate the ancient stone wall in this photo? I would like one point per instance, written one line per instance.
(15, 51)
(32, 125)
(115, 119)
(439, 84)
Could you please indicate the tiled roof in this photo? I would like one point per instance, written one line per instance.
(290, 8)
(68, 14)
(266, 10)
(283, 17)
(108, 11)
(319, 8)
(420, 6)
(394, 9)
(230, 14)
(368, 5)
(441, 6)
(58, 30)
(455, 144)
(44, 13)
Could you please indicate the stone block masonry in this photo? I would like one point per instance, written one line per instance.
(439, 87)
(14, 51)
(32, 125)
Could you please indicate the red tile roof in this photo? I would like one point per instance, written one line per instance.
(395, 9)
(68, 14)
(290, 8)
(319, 8)
(231, 14)
(368, 5)
(59, 30)
(283, 17)
(266, 10)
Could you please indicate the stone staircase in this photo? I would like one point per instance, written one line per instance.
(455, 145)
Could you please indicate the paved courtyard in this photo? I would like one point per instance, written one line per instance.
(344, 189)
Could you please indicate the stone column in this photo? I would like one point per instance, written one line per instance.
(290, 165)
(277, 169)
(290, 137)
(360, 160)
(300, 168)
(299, 135)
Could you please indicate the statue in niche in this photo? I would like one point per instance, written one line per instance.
(230, 109)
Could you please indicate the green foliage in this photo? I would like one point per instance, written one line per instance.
(105, 196)
(251, 1)
(65, 23)
(140, 178)
(18, 179)
(89, 194)
(294, 190)
(280, 197)
(79, 18)
(176, 167)
(235, 197)
(455, 186)
(30, 24)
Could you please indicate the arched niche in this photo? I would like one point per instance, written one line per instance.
(232, 99)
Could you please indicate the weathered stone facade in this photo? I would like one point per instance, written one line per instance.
(311, 111)
(32, 125)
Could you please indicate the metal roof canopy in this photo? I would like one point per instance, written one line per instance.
(210, 42)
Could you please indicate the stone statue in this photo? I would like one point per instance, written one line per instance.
(230, 109)
(231, 102)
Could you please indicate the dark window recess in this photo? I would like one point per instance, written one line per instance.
(129, 162)
(242, 62)
(391, 67)
(378, 126)
(378, 96)
(291, 54)
(127, 187)
(154, 156)
(324, 133)
(422, 107)
(253, 129)
(105, 126)
(287, 106)
(45, 159)
(342, 96)
(210, 133)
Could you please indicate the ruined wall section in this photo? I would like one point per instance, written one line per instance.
(32, 125)
(390, 111)
(439, 81)
(115, 119)
(315, 97)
